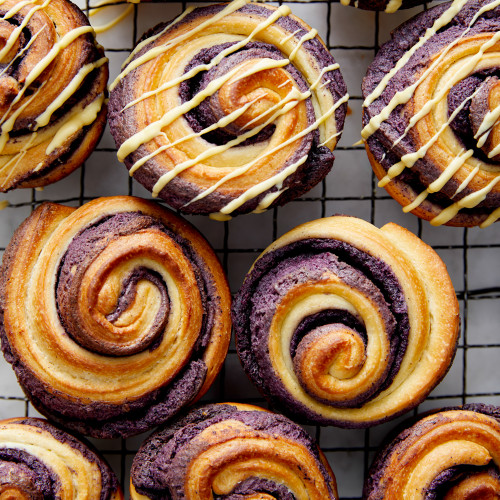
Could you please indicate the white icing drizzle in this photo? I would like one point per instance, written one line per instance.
(16, 33)
(70, 89)
(216, 60)
(268, 199)
(216, 150)
(24, 49)
(8, 124)
(166, 178)
(493, 217)
(438, 184)
(402, 97)
(466, 181)
(223, 122)
(9, 118)
(155, 129)
(393, 5)
(42, 65)
(334, 136)
(416, 202)
(409, 160)
(105, 27)
(289, 37)
(243, 169)
(470, 201)
(494, 151)
(254, 191)
(16, 159)
(156, 51)
(17, 7)
(488, 123)
(326, 69)
(439, 23)
(105, 5)
(146, 41)
(78, 119)
(308, 36)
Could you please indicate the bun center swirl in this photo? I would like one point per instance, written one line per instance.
(327, 355)
(228, 108)
(113, 293)
(334, 317)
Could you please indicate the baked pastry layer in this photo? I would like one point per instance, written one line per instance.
(228, 109)
(431, 113)
(114, 315)
(339, 322)
(388, 6)
(38, 461)
(52, 91)
(448, 454)
(231, 451)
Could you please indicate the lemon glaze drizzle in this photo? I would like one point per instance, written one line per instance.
(154, 129)
(402, 97)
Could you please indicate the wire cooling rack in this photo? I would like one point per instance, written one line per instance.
(471, 255)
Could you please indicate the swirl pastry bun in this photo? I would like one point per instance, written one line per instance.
(52, 91)
(339, 322)
(38, 461)
(228, 109)
(114, 315)
(450, 454)
(431, 114)
(231, 451)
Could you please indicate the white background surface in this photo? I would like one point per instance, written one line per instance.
(472, 256)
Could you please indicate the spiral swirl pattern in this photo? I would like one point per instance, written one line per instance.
(451, 454)
(114, 315)
(228, 109)
(39, 461)
(339, 322)
(52, 91)
(231, 451)
(431, 112)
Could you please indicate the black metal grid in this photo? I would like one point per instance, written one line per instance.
(349, 451)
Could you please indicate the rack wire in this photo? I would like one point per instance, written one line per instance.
(471, 255)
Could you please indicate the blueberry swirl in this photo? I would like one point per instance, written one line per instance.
(39, 461)
(450, 454)
(228, 109)
(231, 451)
(114, 315)
(339, 322)
(53, 78)
(431, 111)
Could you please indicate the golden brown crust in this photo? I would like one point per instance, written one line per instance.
(41, 461)
(339, 322)
(117, 290)
(231, 450)
(54, 98)
(430, 114)
(215, 111)
(452, 454)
